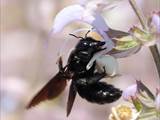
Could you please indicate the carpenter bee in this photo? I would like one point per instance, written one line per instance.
(84, 82)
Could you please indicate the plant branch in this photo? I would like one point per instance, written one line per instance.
(138, 13)
(153, 49)
(156, 57)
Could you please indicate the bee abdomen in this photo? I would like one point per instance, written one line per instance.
(100, 93)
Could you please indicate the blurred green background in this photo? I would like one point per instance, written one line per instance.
(28, 61)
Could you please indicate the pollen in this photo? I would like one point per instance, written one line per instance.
(95, 35)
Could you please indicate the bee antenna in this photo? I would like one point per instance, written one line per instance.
(76, 36)
(87, 33)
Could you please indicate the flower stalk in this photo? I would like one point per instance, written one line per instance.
(156, 57)
(153, 48)
(138, 13)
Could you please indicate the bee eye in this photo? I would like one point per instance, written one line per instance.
(85, 44)
(93, 44)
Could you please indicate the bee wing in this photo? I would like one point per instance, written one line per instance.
(51, 90)
(71, 97)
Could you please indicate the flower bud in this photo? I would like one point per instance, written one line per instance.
(130, 92)
(157, 100)
(155, 21)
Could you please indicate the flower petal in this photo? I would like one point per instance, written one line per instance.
(66, 16)
(96, 56)
(110, 64)
(79, 13)
(156, 21)
(99, 24)
(130, 92)
(157, 100)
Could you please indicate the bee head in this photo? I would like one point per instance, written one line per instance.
(89, 43)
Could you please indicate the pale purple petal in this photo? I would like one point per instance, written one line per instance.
(81, 30)
(101, 27)
(96, 5)
(157, 100)
(78, 12)
(99, 5)
(87, 15)
(156, 21)
(82, 2)
(93, 9)
(100, 24)
(66, 16)
(130, 92)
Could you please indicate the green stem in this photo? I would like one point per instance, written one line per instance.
(138, 13)
(153, 49)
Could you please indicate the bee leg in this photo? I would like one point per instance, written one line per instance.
(96, 77)
(63, 69)
(60, 63)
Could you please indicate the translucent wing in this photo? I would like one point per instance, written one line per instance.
(51, 90)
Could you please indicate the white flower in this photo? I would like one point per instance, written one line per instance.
(89, 13)
(66, 16)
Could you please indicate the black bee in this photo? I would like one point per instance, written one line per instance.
(86, 82)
